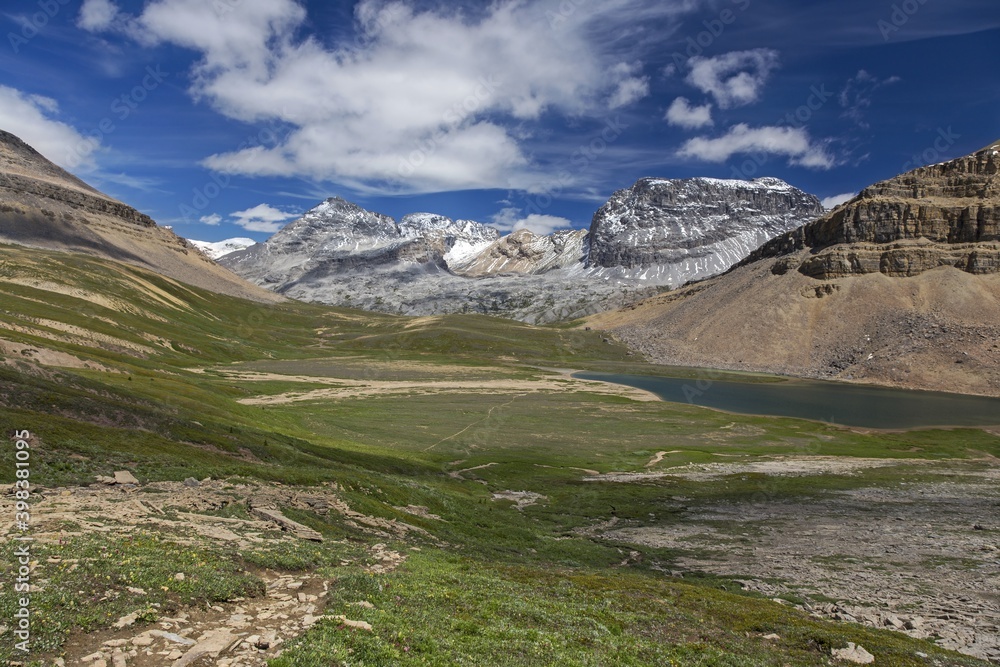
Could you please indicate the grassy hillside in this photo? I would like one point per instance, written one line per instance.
(449, 441)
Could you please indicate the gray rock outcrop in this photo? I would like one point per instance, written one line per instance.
(657, 234)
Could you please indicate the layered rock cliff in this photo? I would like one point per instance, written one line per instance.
(945, 214)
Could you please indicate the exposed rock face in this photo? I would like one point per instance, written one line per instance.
(340, 254)
(951, 209)
(44, 206)
(695, 227)
(901, 260)
(338, 237)
(527, 253)
(900, 286)
(658, 233)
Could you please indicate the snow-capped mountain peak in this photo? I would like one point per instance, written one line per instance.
(218, 249)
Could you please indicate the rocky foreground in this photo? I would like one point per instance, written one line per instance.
(245, 632)
(920, 558)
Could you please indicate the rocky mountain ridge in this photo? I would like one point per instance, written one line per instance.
(898, 286)
(660, 221)
(945, 214)
(659, 233)
(43, 206)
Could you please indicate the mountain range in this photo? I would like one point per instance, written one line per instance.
(43, 206)
(657, 234)
(898, 286)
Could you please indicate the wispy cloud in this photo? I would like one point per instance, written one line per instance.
(631, 87)
(856, 96)
(96, 15)
(790, 142)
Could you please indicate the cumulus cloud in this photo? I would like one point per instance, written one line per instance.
(213, 219)
(791, 142)
(31, 117)
(856, 96)
(837, 200)
(734, 79)
(96, 15)
(511, 220)
(426, 98)
(262, 218)
(682, 114)
(631, 88)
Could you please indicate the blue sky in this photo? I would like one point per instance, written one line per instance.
(229, 118)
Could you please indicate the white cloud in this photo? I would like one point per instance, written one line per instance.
(510, 220)
(30, 118)
(682, 114)
(791, 142)
(629, 91)
(837, 200)
(96, 15)
(262, 218)
(428, 98)
(734, 79)
(213, 219)
(631, 88)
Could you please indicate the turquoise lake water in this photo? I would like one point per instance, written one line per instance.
(832, 402)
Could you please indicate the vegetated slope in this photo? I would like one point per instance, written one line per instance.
(657, 233)
(43, 206)
(899, 286)
(113, 367)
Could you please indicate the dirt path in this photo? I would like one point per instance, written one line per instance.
(457, 474)
(660, 456)
(488, 416)
(241, 633)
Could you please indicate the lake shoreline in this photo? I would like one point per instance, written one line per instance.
(785, 393)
